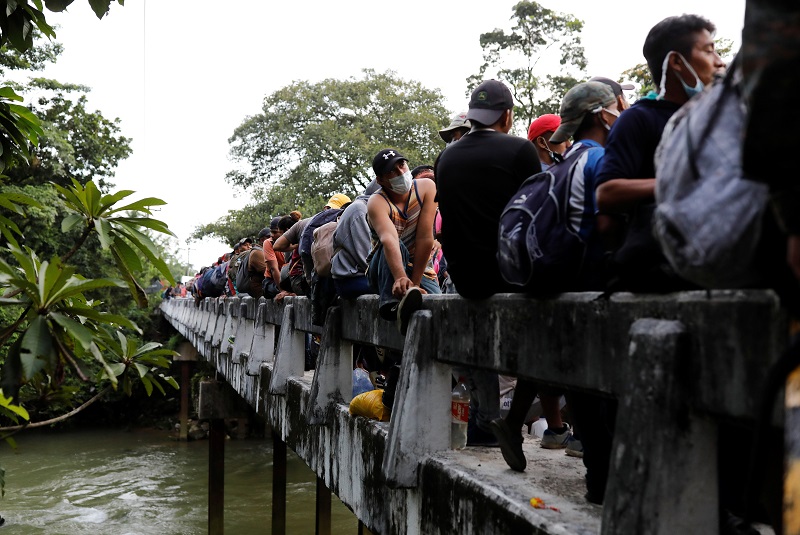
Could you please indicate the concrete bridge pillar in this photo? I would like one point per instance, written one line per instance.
(663, 473)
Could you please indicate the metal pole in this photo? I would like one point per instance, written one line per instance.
(278, 485)
(323, 526)
(216, 477)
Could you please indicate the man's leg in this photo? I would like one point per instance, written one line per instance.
(484, 405)
(352, 287)
(381, 280)
(508, 429)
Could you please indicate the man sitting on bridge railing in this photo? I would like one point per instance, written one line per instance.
(401, 215)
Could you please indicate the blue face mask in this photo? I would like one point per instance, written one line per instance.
(689, 90)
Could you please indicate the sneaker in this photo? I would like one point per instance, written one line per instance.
(510, 445)
(411, 302)
(478, 437)
(574, 447)
(556, 439)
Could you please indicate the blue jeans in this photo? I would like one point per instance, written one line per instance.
(352, 287)
(381, 280)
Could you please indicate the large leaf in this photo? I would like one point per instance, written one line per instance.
(57, 5)
(70, 222)
(74, 329)
(100, 7)
(102, 317)
(8, 404)
(137, 292)
(142, 205)
(37, 352)
(129, 257)
(12, 371)
(117, 368)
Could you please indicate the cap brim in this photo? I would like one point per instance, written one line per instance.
(627, 87)
(566, 130)
(484, 116)
(444, 131)
(389, 164)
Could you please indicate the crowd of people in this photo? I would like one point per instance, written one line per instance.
(431, 227)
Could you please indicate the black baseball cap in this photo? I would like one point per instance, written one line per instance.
(616, 87)
(265, 233)
(384, 161)
(488, 102)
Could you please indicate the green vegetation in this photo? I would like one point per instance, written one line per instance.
(538, 35)
(312, 140)
(75, 257)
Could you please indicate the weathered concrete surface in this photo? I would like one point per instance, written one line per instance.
(422, 427)
(468, 492)
(577, 340)
(658, 363)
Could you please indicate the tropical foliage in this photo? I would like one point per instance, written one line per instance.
(68, 245)
(540, 39)
(312, 140)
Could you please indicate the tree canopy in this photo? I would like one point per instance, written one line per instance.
(312, 140)
(538, 35)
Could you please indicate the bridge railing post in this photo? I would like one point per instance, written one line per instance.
(420, 423)
(333, 377)
(243, 338)
(660, 482)
(290, 357)
(231, 327)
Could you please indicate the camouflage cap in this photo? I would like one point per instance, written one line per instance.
(584, 98)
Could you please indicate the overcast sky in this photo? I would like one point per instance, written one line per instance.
(183, 74)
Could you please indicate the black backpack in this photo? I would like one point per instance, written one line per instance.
(536, 249)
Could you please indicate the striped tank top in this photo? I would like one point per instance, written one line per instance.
(405, 222)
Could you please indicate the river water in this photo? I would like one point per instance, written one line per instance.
(142, 482)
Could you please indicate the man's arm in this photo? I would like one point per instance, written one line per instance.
(622, 194)
(282, 244)
(387, 234)
(271, 270)
(424, 237)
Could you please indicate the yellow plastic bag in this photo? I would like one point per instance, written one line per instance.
(370, 404)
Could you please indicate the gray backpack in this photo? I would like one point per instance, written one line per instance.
(708, 218)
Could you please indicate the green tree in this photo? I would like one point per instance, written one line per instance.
(538, 37)
(19, 22)
(75, 143)
(53, 327)
(238, 224)
(312, 140)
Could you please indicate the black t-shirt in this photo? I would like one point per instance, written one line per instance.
(475, 178)
(639, 264)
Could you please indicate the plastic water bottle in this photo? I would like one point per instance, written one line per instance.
(460, 415)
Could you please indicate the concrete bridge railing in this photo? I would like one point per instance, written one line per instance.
(677, 364)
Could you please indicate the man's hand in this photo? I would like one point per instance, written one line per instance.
(793, 254)
(401, 286)
(283, 294)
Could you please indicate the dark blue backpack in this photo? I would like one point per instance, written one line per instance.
(536, 249)
(214, 280)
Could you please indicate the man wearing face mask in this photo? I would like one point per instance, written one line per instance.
(401, 215)
(681, 57)
(539, 133)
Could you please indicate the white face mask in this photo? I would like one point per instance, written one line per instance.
(689, 90)
(401, 184)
